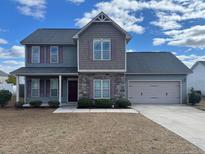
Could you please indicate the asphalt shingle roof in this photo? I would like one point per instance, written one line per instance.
(44, 70)
(155, 63)
(51, 36)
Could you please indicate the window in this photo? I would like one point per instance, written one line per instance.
(35, 54)
(101, 49)
(54, 87)
(101, 89)
(54, 54)
(35, 88)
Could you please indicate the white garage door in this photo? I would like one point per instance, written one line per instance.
(154, 91)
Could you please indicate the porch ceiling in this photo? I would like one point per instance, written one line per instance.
(45, 71)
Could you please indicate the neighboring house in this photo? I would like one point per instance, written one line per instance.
(67, 64)
(196, 80)
(3, 77)
(9, 87)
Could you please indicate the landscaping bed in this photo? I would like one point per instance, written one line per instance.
(41, 131)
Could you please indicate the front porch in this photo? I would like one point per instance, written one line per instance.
(62, 88)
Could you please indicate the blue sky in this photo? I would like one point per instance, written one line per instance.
(177, 26)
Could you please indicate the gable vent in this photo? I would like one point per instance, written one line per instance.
(102, 18)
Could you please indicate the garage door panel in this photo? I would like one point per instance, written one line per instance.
(154, 92)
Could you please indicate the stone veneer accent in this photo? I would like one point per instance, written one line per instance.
(85, 84)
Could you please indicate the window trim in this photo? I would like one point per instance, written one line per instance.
(33, 88)
(51, 88)
(101, 52)
(56, 55)
(101, 93)
(33, 54)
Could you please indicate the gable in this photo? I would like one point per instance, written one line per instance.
(199, 67)
(103, 18)
(201, 63)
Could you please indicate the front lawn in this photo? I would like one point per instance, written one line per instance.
(41, 131)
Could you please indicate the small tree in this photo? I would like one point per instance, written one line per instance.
(194, 97)
(5, 97)
(11, 79)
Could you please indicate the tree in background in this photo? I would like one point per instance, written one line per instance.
(11, 79)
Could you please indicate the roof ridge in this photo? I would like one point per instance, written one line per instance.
(58, 28)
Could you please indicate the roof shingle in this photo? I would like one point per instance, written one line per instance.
(155, 63)
(51, 36)
(44, 70)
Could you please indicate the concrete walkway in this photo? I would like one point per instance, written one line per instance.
(185, 121)
(69, 109)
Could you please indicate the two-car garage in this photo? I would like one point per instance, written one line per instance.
(156, 78)
(165, 92)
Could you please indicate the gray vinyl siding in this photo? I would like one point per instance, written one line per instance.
(181, 78)
(69, 58)
(97, 31)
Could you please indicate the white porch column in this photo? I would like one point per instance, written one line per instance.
(25, 89)
(17, 88)
(60, 89)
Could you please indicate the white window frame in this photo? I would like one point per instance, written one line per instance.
(32, 49)
(34, 88)
(56, 55)
(101, 42)
(51, 87)
(101, 80)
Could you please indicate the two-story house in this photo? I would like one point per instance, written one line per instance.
(67, 64)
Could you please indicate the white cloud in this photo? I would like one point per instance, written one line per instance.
(169, 13)
(76, 1)
(172, 12)
(193, 37)
(11, 65)
(189, 60)
(130, 50)
(34, 8)
(121, 11)
(13, 62)
(158, 41)
(14, 52)
(167, 21)
(3, 41)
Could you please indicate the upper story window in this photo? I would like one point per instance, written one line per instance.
(54, 54)
(101, 49)
(35, 54)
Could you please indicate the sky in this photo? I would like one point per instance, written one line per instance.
(176, 26)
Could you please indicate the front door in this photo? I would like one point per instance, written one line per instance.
(72, 91)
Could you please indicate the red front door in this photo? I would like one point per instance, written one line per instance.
(72, 91)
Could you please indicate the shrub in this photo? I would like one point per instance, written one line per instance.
(103, 103)
(85, 103)
(54, 104)
(5, 97)
(19, 104)
(36, 103)
(122, 103)
(194, 97)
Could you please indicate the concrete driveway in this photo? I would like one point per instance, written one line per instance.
(183, 120)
